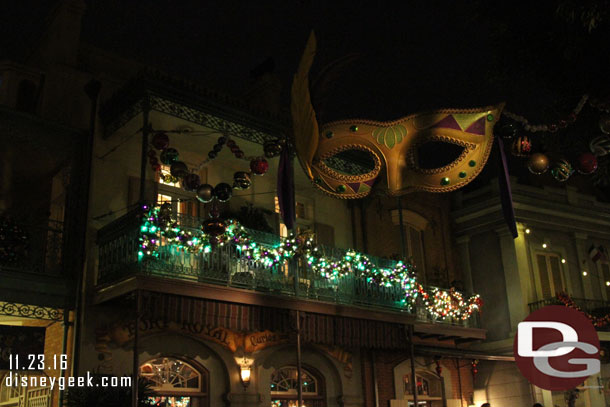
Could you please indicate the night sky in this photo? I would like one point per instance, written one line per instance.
(409, 56)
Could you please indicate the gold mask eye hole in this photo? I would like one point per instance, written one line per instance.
(350, 163)
(437, 155)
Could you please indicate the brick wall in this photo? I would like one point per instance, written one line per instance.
(54, 335)
(465, 375)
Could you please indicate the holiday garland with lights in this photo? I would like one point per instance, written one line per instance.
(160, 226)
(598, 322)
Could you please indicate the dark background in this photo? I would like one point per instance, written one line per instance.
(539, 56)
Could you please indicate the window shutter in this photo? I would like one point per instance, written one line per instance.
(544, 276)
(606, 274)
(556, 274)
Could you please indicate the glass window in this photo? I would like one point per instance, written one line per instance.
(175, 382)
(166, 178)
(169, 374)
(284, 388)
(550, 273)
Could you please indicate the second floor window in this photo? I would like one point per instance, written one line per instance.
(550, 274)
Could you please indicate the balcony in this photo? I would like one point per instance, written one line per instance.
(31, 263)
(227, 266)
(593, 308)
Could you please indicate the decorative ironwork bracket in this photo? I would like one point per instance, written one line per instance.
(31, 311)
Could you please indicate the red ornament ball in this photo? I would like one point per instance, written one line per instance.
(259, 166)
(160, 141)
(586, 163)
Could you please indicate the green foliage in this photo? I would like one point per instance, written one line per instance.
(98, 396)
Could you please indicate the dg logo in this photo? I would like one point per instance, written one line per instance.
(557, 348)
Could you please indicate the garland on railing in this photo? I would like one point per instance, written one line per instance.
(159, 225)
(598, 322)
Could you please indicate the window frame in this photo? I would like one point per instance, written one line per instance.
(320, 395)
(550, 278)
(202, 392)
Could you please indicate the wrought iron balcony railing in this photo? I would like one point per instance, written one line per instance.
(595, 309)
(31, 248)
(119, 243)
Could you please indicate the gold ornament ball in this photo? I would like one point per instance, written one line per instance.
(604, 123)
(538, 163)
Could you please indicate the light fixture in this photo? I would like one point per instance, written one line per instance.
(608, 283)
(584, 273)
(544, 245)
(245, 372)
(528, 231)
(563, 261)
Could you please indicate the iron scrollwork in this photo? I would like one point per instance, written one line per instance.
(30, 311)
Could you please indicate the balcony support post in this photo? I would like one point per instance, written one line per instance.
(412, 356)
(299, 370)
(136, 362)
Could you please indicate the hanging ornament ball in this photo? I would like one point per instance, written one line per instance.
(169, 156)
(604, 123)
(587, 163)
(191, 182)
(241, 180)
(214, 227)
(506, 130)
(178, 169)
(600, 146)
(562, 170)
(160, 141)
(205, 193)
(223, 192)
(538, 163)
(259, 166)
(522, 146)
(272, 148)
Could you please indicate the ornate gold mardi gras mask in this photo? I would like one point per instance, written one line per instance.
(392, 146)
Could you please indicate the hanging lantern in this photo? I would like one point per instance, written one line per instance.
(538, 163)
(223, 192)
(562, 170)
(241, 180)
(179, 169)
(272, 148)
(191, 182)
(169, 156)
(600, 146)
(522, 146)
(586, 163)
(259, 166)
(205, 193)
(160, 141)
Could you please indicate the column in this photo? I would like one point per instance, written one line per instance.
(516, 287)
(463, 243)
(580, 241)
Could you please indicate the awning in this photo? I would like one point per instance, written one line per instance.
(316, 328)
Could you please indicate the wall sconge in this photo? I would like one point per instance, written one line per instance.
(245, 373)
